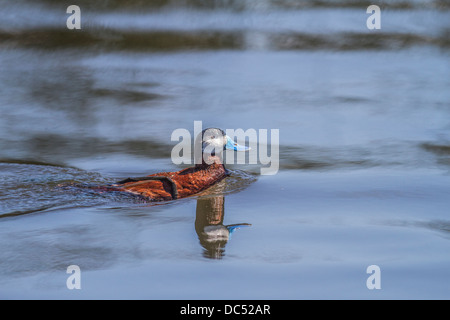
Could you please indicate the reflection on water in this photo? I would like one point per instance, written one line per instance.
(211, 231)
(210, 212)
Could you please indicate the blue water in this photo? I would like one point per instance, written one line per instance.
(364, 122)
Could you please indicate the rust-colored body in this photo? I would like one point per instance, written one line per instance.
(187, 182)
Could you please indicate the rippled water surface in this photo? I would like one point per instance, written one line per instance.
(364, 122)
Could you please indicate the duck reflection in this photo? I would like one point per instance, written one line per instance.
(211, 231)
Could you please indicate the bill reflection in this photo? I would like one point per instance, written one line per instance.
(212, 233)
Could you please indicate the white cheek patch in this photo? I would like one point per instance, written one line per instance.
(213, 145)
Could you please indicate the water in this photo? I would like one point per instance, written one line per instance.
(364, 120)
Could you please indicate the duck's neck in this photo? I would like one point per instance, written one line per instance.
(210, 161)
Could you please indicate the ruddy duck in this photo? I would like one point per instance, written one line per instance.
(180, 184)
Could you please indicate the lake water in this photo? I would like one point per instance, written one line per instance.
(364, 168)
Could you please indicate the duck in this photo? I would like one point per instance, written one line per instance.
(209, 170)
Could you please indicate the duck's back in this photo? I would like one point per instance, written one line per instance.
(172, 185)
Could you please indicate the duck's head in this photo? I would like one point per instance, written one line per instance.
(214, 141)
